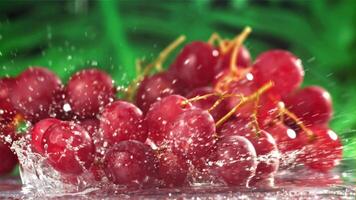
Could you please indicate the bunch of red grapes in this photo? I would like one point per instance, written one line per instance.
(214, 116)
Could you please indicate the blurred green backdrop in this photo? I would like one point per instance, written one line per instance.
(66, 36)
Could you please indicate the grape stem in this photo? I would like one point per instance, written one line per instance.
(308, 132)
(217, 102)
(237, 42)
(167, 51)
(243, 101)
(226, 80)
(157, 64)
(198, 98)
(254, 116)
(215, 37)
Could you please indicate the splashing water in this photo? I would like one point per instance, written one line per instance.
(40, 180)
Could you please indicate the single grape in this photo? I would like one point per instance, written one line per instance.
(121, 121)
(243, 59)
(234, 161)
(130, 163)
(287, 139)
(265, 146)
(235, 126)
(207, 103)
(172, 169)
(196, 64)
(161, 114)
(312, 105)
(88, 91)
(37, 132)
(192, 134)
(68, 147)
(155, 87)
(33, 91)
(281, 67)
(61, 108)
(323, 152)
(8, 159)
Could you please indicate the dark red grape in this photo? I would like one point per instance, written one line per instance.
(37, 132)
(154, 88)
(207, 103)
(192, 134)
(121, 121)
(130, 163)
(33, 91)
(161, 114)
(172, 169)
(8, 159)
(196, 64)
(69, 147)
(281, 67)
(88, 91)
(323, 152)
(234, 161)
(311, 104)
(265, 146)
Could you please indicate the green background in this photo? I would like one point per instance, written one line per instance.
(66, 36)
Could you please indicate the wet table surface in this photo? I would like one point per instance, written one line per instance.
(10, 188)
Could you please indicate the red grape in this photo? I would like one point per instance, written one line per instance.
(69, 147)
(324, 152)
(156, 87)
(61, 108)
(130, 163)
(172, 169)
(281, 67)
(207, 103)
(37, 132)
(286, 138)
(33, 91)
(265, 146)
(192, 134)
(161, 114)
(88, 91)
(8, 159)
(311, 104)
(234, 161)
(196, 64)
(121, 121)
